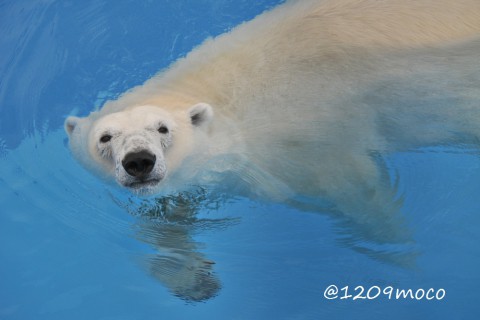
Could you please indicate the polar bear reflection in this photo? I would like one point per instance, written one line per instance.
(168, 225)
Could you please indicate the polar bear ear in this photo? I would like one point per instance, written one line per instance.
(201, 114)
(70, 124)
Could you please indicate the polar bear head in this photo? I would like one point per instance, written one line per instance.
(138, 146)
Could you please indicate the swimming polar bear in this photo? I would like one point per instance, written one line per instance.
(300, 104)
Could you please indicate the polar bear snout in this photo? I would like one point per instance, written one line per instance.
(141, 170)
(139, 164)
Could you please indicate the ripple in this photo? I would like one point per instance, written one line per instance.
(40, 174)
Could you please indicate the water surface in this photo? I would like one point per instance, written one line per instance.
(74, 247)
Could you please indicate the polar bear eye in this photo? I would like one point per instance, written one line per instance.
(105, 138)
(163, 129)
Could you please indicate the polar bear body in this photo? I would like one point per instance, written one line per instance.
(299, 102)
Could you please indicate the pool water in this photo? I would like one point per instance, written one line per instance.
(74, 247)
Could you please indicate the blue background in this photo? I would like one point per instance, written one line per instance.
(70, 247)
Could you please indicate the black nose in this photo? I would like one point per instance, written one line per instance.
(139, 164)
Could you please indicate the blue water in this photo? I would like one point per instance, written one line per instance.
(73, 247)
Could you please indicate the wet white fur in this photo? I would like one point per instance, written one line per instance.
(307, 95)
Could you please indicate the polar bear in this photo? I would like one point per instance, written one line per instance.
(299, 105)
